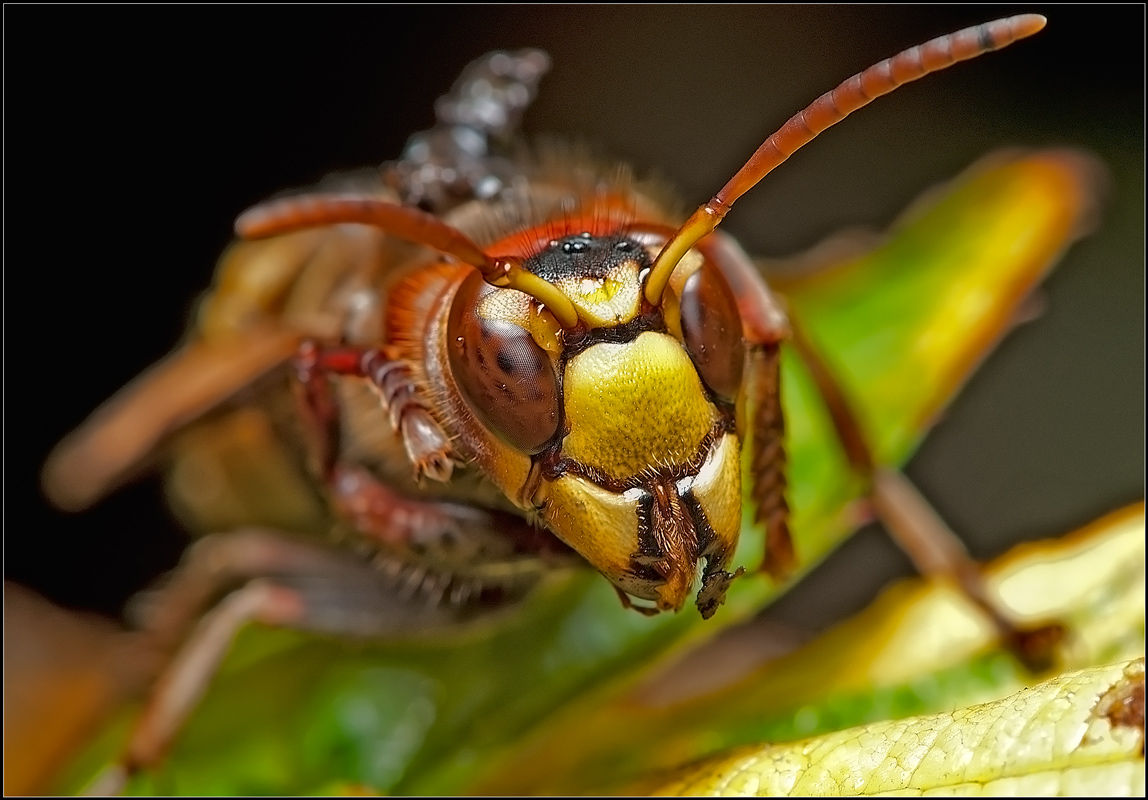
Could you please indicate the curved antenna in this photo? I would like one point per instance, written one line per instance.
(829, 109)
(411, 224)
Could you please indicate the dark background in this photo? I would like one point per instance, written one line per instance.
(134, 135)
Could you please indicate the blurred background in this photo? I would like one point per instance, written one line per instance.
(128, 156)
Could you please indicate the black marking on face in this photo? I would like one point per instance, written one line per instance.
(707, 539)
(580, 340)
(648, 552)
(584, 255)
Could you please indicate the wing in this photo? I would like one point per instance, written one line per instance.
(326, 284)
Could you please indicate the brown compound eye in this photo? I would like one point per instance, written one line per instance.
(506, 377)
(711, 328)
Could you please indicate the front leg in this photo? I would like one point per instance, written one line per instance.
(764, 327)
(912, 523)
(426, 444)
(468, 550)
(767, 460)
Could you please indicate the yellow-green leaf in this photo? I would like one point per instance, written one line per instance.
(920, 647)
(903, 325)
(1074, 735)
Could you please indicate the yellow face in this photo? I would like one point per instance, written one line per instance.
(628, 420)
(641, 434)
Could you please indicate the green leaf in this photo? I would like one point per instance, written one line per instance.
(431, 714)
(921, 647)
(903, 326)
(1070, 736)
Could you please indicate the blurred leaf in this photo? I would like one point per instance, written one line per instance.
(287, 713)
(63, 673)
(1070, 736)
(919, 647)
(952, 274)
(903, 326)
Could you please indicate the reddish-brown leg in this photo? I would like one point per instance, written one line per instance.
(304, 585)
(915, 526)
(767, 464)
(426, 445)
(481, 560)
(186, 679)
(936, 550)
(221, 563)
(910, 520)
(490, 550)
(764, 327)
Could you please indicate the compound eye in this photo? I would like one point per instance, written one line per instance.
(504, 375)
(711, 328)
